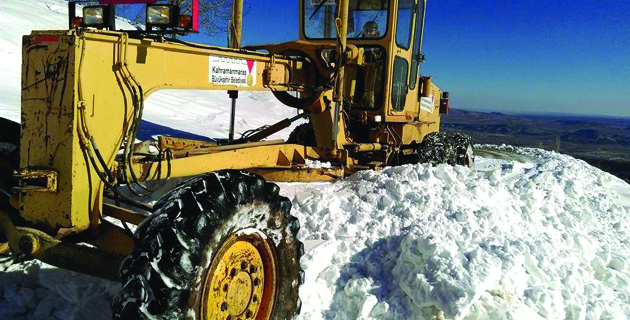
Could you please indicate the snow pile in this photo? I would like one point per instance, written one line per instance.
(34, 290)
(543, 239)
(546, 239)
(207, 113)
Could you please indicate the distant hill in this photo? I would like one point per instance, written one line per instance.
(591, 136)
(601, 141)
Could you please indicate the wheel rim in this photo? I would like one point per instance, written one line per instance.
(241, 281)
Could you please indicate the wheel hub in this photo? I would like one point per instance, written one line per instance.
(240, 283)
(239, 293)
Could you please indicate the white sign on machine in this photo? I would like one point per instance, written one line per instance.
(228, 71)
(426, 103)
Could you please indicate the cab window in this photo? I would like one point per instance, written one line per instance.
(399, 84)
(416, 58)
(366, 18)
(406, 10)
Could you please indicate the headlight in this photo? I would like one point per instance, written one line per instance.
(161, 15)
(93, 16)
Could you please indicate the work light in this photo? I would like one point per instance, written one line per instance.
(162, 15)
(93, 15)
(98, 16)
(161, 18)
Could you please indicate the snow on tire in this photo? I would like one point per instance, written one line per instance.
(184, 252)
(435, 149)
(463, 149)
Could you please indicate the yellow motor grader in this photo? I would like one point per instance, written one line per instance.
(222, 243)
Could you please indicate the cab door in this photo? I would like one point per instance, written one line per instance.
(402, 49)
(407, 56)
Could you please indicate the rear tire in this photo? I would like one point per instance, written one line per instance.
(463, 149)
(435, 149)
(180, 266)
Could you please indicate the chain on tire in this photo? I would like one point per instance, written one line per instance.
(219, 246)
(435, 149)
(440, 147)
(463, 149)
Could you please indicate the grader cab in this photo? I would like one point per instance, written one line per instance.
(222, 243)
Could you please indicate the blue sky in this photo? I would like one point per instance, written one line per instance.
(525, 56)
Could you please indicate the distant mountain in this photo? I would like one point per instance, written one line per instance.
(570, 122)
(601, 141)
(493, 128)
(592, 136)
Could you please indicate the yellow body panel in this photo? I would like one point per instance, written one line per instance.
(80, 85)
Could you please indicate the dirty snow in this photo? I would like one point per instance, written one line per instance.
(542, 238)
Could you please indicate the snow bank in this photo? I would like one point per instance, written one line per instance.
(546, 239)
(207, 113)
(542, 239)
(34, 290)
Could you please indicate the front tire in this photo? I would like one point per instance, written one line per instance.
(219, 246)
(440, 147)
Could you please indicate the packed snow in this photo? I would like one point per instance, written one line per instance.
(542, 237)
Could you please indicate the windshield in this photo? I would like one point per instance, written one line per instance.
(366, 18)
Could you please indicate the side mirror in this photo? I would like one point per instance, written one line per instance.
(444, 103)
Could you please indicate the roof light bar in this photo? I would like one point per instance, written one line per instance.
(162, 17)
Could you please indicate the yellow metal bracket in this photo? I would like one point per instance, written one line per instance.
(174, 143)
(32, 180)
(123, 214)
(27, 241)
(102, 261)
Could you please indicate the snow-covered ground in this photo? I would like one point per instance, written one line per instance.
(545, 238)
